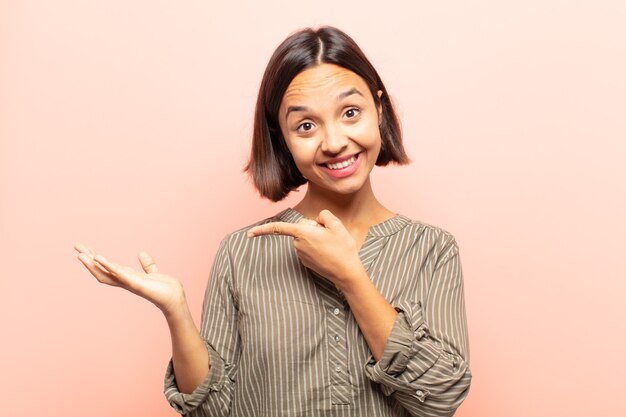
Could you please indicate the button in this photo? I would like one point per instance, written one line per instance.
(337, 338)
(336, 311)
(338, 368)
(421, 395)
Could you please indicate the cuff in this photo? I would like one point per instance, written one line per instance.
(403, 344)
(185, 403)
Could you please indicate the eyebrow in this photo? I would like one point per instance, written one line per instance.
(295, 108)
(349, 93)
(339, 97)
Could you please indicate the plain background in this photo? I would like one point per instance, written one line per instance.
(126, 124)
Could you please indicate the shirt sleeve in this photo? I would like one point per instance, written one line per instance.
(425, 364)
(218, 329)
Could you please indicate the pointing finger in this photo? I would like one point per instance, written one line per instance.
(277, 228)
(147, 262)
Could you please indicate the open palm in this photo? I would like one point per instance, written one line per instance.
(162, 290)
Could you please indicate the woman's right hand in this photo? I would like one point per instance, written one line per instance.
(162, 290)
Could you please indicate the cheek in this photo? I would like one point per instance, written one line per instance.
(302, 151)
(368, 134)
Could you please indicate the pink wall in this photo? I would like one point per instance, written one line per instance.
(125, 125)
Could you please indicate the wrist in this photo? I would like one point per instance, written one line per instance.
(352, 279)
(177, 311)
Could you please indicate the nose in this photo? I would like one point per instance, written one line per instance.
(334, 141)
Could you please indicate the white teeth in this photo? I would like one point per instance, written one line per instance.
(343, 164)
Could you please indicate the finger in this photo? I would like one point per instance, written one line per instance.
(98, 273)
(84, 249)
(108, 266)
(147, 262)
(125, 275)
(328, 219)
(308, 222)
(277, 228)
(90, 254)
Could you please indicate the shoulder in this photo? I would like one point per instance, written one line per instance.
(238, 239)
(424, 229)
(435, 238)
(241, 254)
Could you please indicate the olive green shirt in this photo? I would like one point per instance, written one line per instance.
(282, 340)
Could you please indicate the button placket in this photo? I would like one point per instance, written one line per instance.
(341, 389)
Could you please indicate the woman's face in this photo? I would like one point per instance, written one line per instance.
(331, 126)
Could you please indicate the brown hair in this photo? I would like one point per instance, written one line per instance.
(271, 165)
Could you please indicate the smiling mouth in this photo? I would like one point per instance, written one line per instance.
(342, 164)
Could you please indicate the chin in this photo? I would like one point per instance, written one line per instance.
(346, 189)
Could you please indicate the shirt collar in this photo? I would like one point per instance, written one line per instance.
(385, 228)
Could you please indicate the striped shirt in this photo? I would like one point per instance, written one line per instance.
(283, 342)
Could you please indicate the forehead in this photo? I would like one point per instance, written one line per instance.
(323, 81)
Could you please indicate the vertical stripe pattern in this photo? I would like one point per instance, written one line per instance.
(283, 342)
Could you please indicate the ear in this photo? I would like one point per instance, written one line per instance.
(380, 107)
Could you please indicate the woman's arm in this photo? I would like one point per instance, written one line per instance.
(416, 358)
(189, 353)
(374, 315)
(190, 357)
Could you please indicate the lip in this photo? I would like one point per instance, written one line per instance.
(342, 172)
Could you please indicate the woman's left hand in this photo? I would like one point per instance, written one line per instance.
(323, 245)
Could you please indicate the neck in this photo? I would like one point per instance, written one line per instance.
(357, 211)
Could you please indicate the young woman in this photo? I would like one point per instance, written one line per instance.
(338, 306)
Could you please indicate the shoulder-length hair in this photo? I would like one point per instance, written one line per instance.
(271, 165)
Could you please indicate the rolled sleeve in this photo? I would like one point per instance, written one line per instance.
(214, 381)
(425, 363)
(403, 347)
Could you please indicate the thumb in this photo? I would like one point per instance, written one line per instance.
(147, 262)
(328, 219)
(309, 222)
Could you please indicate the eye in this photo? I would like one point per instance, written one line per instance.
(304, 127)
(352, 112)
